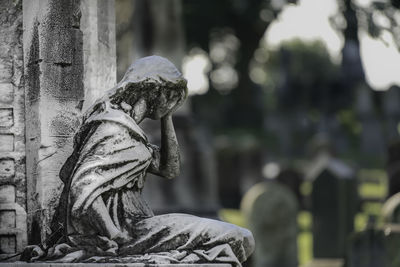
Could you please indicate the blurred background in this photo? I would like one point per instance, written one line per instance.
(292, 124)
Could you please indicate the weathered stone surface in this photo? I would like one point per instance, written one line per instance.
(98, 27)
(12, 130)
(24, 264)
(7, 219)
(7, 168)
(271, 212)
(7, 193)
(60, 81)
(8, 244)
(6, 117)
(54, 90)
(13, 231)
(6, 93)
(5, 72)
(6, 142)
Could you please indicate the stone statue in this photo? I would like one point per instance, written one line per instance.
(102, 216)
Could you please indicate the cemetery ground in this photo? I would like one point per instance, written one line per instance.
(372, 191)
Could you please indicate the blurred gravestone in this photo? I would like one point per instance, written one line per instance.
(367, 249)
(391, 214)
(392, 245)
(292, 179)
(393, 169)
(271, 212)
(334, 201)
(379, 247)
(391, 111)
(372, 140)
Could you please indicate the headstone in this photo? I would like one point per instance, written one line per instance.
(13, 234)
(376, 247)
(391, 229)
(392, 168)
(367, 249)
(271, 211)
(391, 110)
(334, 201)
(291, 178)
(392, 244)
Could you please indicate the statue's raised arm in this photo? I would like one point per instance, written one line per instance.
(102, 215)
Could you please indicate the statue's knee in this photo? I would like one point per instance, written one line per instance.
(249, 243)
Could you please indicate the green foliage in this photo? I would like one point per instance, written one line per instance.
(302, 75)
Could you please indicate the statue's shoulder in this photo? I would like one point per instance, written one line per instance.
(112, 120)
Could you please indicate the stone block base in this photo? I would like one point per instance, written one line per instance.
(24, 264)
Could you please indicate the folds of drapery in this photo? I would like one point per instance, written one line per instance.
(110, 162)
(169, 238)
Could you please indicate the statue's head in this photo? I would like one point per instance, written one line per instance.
(153, 79)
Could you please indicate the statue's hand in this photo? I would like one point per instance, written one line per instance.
(177, 105)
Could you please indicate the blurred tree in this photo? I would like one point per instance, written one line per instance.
(303, 76)
(214, 26)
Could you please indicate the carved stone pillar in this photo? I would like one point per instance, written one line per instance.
(69, 53)
(53, 94)
(100, 64)
(12, 134)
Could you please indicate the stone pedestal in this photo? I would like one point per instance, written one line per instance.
(24, 264)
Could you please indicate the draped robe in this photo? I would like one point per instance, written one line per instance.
(110, 159)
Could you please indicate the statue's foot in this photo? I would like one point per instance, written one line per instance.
(121, 238)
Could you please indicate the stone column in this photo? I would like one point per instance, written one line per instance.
(100, 64)
(52, 43)
(12, 134)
